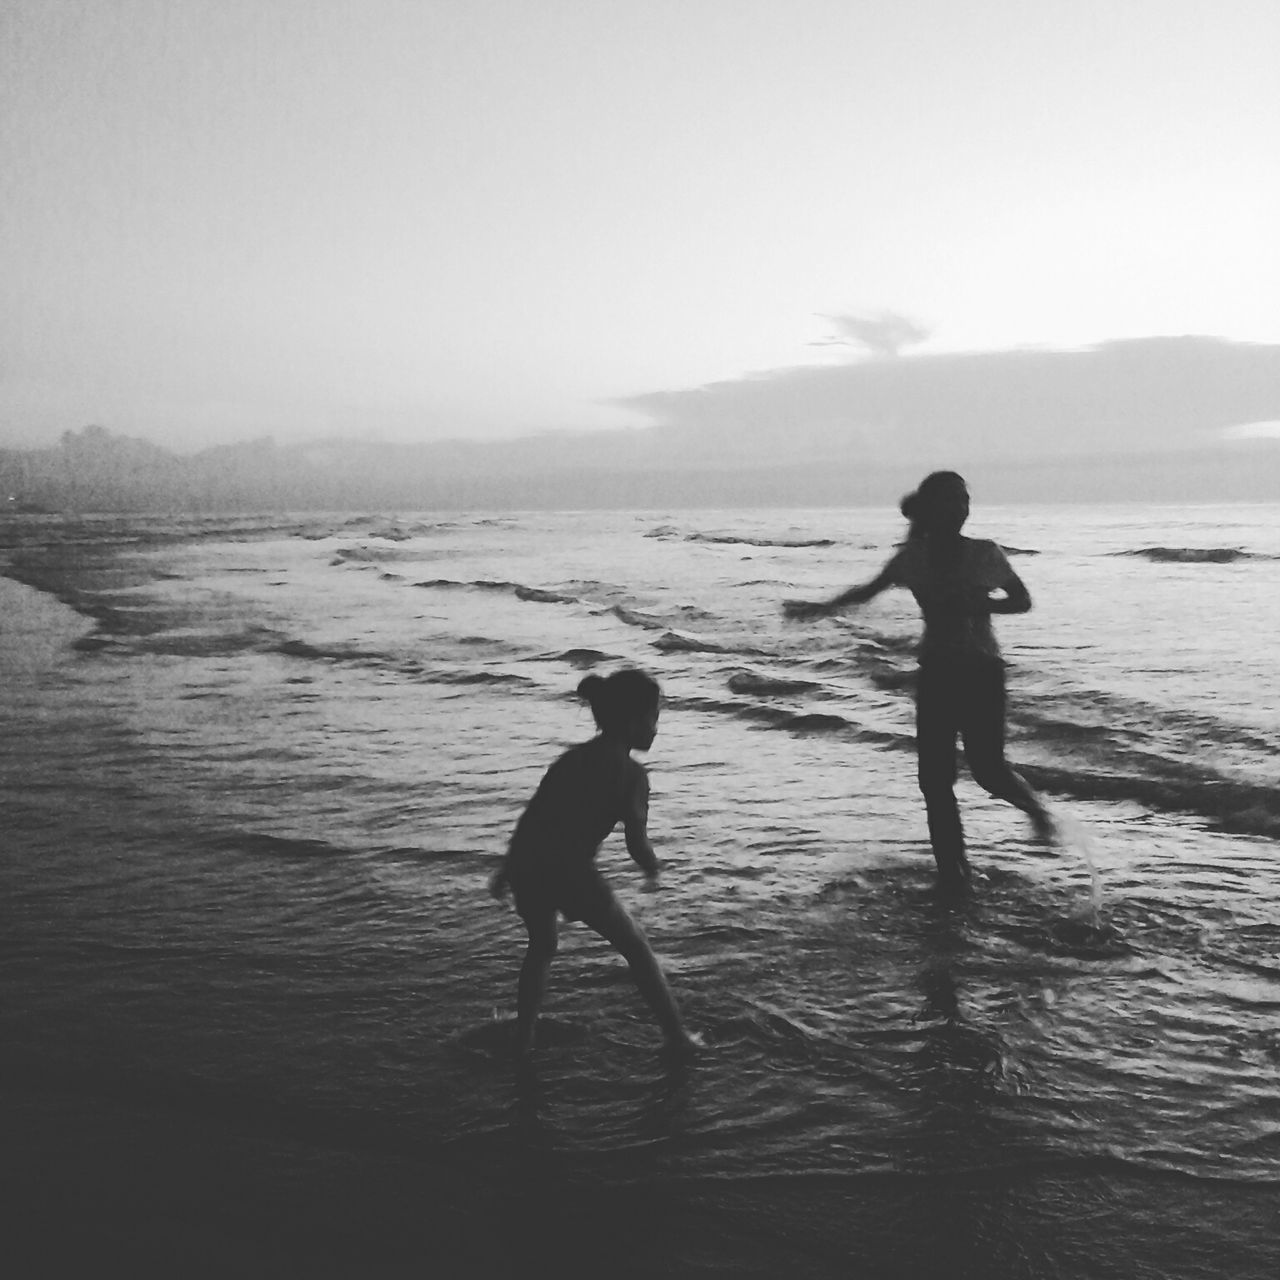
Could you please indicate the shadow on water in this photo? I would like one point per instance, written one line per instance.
(583, 1089)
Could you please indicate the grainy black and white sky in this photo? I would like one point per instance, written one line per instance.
(227, 218)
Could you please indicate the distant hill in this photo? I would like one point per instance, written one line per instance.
(1146, 420)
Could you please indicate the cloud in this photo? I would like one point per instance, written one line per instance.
(1254, 431)
(1138, 395)
(883, 334)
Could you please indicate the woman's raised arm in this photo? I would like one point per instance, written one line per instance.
(801, 610)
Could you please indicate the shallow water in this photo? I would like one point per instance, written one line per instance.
(254, 784)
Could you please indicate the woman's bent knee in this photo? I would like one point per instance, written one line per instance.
(999, 781)
(543, 945)
(936, 787)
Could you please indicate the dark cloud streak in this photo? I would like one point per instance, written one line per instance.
(1147, 394)
(883, 334)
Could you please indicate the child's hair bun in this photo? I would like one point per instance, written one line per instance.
(615, 698)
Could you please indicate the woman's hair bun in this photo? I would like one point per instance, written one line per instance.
(589, 687)
(910, 504)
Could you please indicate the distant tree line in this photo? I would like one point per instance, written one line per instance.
(96, 470)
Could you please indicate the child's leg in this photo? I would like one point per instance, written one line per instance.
(618, 928)
(533, 976)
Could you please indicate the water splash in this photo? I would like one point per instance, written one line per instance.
(1073, 836)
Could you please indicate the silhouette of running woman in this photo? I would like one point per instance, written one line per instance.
(960, 688)
(550, 863)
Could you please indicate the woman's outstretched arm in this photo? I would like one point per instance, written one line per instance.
(800, 610)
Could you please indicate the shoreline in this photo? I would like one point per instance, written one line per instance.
(37, 627)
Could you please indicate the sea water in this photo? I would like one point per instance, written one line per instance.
(255, 773)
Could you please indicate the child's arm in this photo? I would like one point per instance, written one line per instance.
(498, 881)
(800, 610)
(635, 819)
(501, 878)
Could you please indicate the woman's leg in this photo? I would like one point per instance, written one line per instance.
(984, 729)
(615, 926)
(936, 727)
(543, 942)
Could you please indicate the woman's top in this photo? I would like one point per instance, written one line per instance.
(947, 590)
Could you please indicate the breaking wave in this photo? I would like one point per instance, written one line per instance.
(736, 539)
(754, 682)
(1193, 555)
(683, 642)
(537, 595)
(332, 653)
(730, 539)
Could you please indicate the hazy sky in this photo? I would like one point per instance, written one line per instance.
(444, 217)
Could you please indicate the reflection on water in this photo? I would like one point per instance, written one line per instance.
(244, 874)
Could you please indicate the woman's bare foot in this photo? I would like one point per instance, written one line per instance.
(1046, 830)
(686, 1045)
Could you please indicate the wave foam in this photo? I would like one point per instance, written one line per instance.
(537, 595)
(1193, 555)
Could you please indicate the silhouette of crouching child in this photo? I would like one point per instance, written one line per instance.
(550, 863)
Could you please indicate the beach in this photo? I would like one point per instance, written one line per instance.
(257, 1001)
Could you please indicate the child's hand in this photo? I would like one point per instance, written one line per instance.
(651, 882)
(498, 884)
